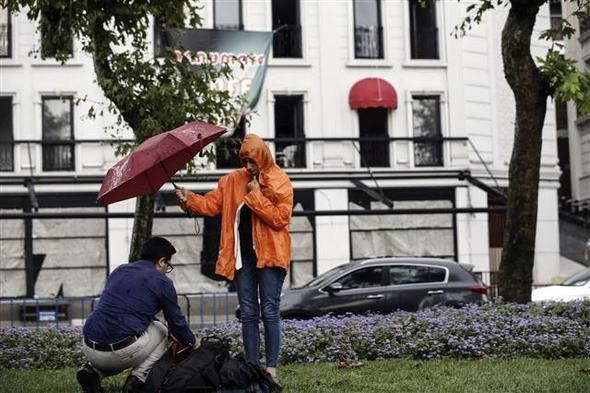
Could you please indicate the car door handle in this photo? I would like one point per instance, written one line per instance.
(435, 292)
(375, 297)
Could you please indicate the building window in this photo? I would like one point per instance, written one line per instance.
(373, 124)
(377, 235)
(584, 24)
(555, 13)
(160, 39)
(302, 229)
(58, 133)
(287, 26)
(426, 122)
(5, 33)
(6, 135)
(56, 37)
(227, 14)
(423, 30)
(368, 31)
(289, 124)
(227, 150)
(561, 115)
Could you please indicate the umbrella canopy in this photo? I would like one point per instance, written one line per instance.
(152, 163)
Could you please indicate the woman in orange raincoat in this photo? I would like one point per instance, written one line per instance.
(255, 203)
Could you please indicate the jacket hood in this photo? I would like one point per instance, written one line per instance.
(254, 148)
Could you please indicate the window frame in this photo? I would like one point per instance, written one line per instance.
(9, 35)
(359, 160)
(10, 140)
(387, 8)
(232, 142)
(384, 279)
(416, 266)
(42, 49)
(441, 34)
(158, 39)
(304, 123)
(300, 60)
(380, 32)
(71, 141)
(442, 126)
(240, 15)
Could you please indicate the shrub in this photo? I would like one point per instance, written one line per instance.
(499, 330)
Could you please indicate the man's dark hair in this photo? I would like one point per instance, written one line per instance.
(156, 248)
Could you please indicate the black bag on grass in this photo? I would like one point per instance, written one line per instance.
(198, 372)
(208, 369)
(239, 376)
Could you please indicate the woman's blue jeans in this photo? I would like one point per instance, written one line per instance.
(266, 284)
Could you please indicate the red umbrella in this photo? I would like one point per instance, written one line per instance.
(152, 163)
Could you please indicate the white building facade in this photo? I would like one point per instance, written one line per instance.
(341, 72)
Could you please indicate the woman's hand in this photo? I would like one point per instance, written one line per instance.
(253, 184)
(181, 194)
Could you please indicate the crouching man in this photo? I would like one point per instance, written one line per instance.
(122, 332)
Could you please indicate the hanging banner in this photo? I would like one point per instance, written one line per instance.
(246, 52)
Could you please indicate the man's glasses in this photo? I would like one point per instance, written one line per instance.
(169, 267)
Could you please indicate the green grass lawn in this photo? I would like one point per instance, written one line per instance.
(520, 375)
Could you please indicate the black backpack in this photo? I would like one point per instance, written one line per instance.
(238, 376)
(208, 369)
(198, 372)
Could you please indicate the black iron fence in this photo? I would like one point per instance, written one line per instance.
(205, 309)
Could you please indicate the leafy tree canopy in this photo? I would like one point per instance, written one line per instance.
(564, 80)
(148, 94)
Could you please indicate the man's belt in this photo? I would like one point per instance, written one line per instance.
(127, 341)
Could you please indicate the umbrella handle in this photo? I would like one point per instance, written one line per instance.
(169, 176)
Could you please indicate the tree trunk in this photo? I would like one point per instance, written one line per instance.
(144, 207)
(142, 225)
(530, 92)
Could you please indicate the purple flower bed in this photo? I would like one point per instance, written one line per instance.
(500, 330)
(473, 332)
(47, 348)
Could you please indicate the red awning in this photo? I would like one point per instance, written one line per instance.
(372, 93)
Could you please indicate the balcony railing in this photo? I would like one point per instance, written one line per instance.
(386, 152)
(291, 153)
(368, 42)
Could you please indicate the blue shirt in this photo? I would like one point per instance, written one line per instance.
(134, 293)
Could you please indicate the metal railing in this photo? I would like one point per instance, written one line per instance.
(368, 42)
(205, 309)
(490, 279)
(291, 152)
(202, 309)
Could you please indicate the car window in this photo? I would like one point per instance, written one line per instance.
(362, 278)
(325, 277)
(412, 274)
(579, 279)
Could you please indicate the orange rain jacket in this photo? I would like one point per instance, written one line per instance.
(271, 205)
